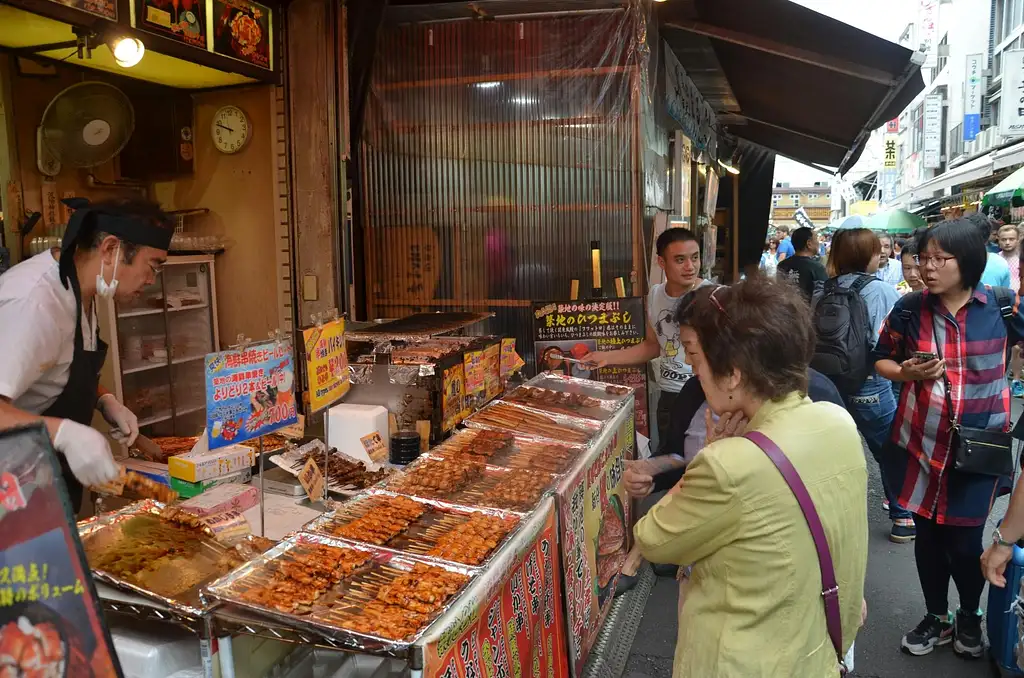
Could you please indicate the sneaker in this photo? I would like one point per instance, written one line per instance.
(902, 532)
(928, 635)
(885, 505)
(1017, 388)
(967, 638)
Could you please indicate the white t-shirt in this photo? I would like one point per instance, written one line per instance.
(37, 333)
(672, 371)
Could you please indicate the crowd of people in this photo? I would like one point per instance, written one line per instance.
(904, 344)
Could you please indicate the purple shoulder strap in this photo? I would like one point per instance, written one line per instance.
(829, 588)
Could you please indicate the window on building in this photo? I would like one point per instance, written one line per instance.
(917, 129)
(795, 197)
(775, 200)
(941, 61)
(956, 141)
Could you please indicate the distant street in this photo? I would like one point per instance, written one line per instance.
(894, 600)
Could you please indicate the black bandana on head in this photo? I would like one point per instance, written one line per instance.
(88, 219)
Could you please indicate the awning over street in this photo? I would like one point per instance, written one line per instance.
(972, 170)
(790, 79)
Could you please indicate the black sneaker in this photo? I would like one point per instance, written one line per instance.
(929, 634)
(902, 532)
(967, 638)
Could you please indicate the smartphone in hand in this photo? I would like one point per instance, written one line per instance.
(924, 356)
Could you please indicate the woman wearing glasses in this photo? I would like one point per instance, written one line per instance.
(753, 603)
(947, 344)
(852, 264)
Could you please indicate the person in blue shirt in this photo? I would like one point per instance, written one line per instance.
(997, 271)
(785, 244)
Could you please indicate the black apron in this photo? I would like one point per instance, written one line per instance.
(77, 401)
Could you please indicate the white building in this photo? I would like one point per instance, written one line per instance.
(968, 44)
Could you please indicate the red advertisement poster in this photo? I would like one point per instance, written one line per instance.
(50, 620)
(242, 30)
(519, 632)
(573, 329)
(594, 519)
(181, 20)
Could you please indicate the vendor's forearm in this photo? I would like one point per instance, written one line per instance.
(640, 354)
(665, 464)
(11, 416)
(890, 369)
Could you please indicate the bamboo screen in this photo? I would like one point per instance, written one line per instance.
(493, 154)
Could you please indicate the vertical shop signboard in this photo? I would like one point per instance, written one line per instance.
(974, 90)
(518, 631)
(595, 526)
(574, 329)
(326, 363)
(932, 124)
(49, 609)
(250, 392)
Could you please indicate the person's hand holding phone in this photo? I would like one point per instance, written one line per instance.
(923, 367)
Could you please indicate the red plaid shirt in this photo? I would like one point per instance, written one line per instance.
(973, 344)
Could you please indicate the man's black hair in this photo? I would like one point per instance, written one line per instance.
(801, 238)
(983, 223)
(672, 235)
(965, 240)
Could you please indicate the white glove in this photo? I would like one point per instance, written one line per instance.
(87, 452)
(125, 423)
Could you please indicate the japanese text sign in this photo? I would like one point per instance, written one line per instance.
(249, 392)
(326, 364)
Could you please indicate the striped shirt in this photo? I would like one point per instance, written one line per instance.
(973, 344)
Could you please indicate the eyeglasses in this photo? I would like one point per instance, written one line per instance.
(938, 260)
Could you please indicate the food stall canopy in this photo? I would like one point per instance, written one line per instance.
(788, 78)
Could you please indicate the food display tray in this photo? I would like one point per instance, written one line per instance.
(131, 523)
(422, 534)
(614, 394)
(328, 617)
(505, 449)
(476, 492)
(289, 460)
(534, 423)
(568, 396)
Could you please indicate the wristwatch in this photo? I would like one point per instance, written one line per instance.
(997, 538)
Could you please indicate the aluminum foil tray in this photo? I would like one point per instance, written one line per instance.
(177, 580)
(492, 487)
(570, 397)
(334, 614)
(615, 394)
(505, 449)
(421, 537)
(535, 423)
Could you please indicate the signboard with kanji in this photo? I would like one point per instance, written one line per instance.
(890, 151)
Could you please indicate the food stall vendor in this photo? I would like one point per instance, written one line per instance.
(50, 350)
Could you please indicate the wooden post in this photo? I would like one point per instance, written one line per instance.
(735, 227)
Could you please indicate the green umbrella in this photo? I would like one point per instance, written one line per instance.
(1008, 192)
(894, 221)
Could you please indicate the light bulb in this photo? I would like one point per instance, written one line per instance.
(127, 51)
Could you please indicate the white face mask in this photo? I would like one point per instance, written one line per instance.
(105, 290)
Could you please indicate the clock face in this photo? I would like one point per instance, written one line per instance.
(230, 129)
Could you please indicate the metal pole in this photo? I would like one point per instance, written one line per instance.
(263, 523)
(227, 659)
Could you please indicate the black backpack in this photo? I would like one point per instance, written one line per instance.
(842, 352)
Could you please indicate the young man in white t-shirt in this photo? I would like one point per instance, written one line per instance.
(679, 257)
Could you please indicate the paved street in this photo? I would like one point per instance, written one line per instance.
(894, 606)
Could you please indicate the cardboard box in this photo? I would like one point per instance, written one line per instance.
(187, 490)
(153, 470)
(229, 497)
(201, 464)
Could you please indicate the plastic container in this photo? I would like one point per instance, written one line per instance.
(1003, 634)
(405, 448)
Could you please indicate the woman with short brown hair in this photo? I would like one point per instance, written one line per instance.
(753, 606)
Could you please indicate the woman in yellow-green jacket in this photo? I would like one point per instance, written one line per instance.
(753, 604)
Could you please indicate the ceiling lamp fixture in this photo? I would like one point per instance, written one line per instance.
(127, 51)
(731, 169)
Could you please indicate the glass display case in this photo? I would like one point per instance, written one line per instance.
(159, 344)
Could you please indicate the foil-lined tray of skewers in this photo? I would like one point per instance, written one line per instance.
(471, 483)
(504, 448)
(614, 394)
(161, 553)
(345, 476)
(364, 598)
(564, 398)
(458, 535)
(530, 422)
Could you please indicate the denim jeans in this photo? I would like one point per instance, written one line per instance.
(874, 408)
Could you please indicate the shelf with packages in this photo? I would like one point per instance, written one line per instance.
(159, 341)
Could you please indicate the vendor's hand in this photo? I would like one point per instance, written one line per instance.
(125, 424)
(729, 425)
(993, 564)
(595, 360)
(87, 452)
(638, 479)
(929, 370)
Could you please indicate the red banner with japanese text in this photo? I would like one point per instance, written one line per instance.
(519, 631)
(575, 328)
